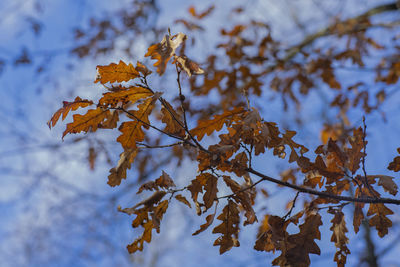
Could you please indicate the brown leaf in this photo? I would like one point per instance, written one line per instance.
(189, 66)
(67, 107)
(354, 153)
(146, 237)
(164, 181)
(215, 124)
(120, 72)
(339, 231)
(395, 164)
(172, 120)
(131, 94)
(132, 130)
(142, 69)
(183, 200)
(302, 244)
(211, 190)
(209, 221)
(380, 221)
(163, 51)
(386, 182)
(119, 172)
(358, 216)
(229, 228)
(88, 122)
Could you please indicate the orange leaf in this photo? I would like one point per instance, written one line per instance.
(116, 73)
(163, 51)
(132, 94)
(67, 107)
(215, 124)
(87, 122)
(132, 130)
(119, 172)
(172, 120)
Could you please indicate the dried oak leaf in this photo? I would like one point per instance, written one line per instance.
(229, 228)
(215, 124)
(142, 69)
(358, 216)
(339, 231)
(164, 181)
(172, 120)
(183, 199)
(67, 107)
(272, 234)
(131, 94)
(380, 221)
(354, 154)
(119, 172)
(211, 189)
(146, 237)
(163, 51)
(243, 197)
(120, 72)
(89, 121)
(189, 66)
(132, 131)
(395, 164)
(209, 221)
(386, 182)
(300, 245)
(110, 121)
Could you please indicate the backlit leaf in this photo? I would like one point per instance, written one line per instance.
(88, 122)
(120, 72)
(163, 51)
(67, 107)
(215, 124)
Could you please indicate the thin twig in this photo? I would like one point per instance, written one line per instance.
(293, 205)
(160, 146)
(363, 158)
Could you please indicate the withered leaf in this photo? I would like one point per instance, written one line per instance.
(84, 123)
(132, 131)
(189, 66)
(215, 124)
(131, 94)
(183, 200)
(120, 72)
(172, 120)
(67, 107)
(395, 164)
(386, 182)
(358, 216)
(164, 181)
(209, 221)
(119, 172)
(146, 237)
(211, 190)
(302, 244)
(163, 51)
(380, 220)
(338, 237)
(229, 228)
